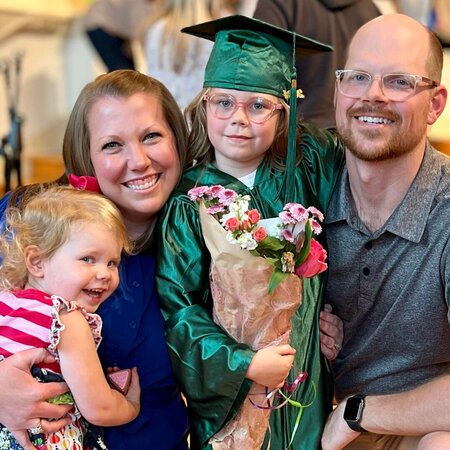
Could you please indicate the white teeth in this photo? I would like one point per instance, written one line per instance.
(140, 186)
(94, 292)
(368, 119)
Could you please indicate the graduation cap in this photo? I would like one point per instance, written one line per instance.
(251, 55)
(255, 56)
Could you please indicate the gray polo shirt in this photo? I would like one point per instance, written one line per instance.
(392, 287)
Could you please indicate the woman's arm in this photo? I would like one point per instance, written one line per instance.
(23, 400)
(81, 368)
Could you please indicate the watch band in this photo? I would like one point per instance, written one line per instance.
(353, 412)
(355, 426)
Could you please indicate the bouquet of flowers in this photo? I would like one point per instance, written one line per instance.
(256, 274)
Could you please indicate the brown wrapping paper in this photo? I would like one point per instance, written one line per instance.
(247, 312)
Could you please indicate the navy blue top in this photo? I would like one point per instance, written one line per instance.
(133, 335)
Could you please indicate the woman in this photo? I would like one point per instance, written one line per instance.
(127, 131)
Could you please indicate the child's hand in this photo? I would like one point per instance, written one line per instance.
(134, 392)
(271, 365)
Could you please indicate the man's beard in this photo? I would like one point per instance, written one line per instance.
(394, 146)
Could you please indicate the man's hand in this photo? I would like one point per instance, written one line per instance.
(23, 400)
(331, 333)
(337, 434)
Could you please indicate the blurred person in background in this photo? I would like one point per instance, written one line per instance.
(331, 21)
(174, 58)
(435, 14)
(111, 27)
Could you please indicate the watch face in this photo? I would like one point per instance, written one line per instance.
(353, 408)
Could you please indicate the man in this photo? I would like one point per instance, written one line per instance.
(389, 245)
(331, 21)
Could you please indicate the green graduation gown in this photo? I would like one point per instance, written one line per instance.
(209, 365)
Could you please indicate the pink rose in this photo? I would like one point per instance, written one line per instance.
(232, 224)
(259, 234)
(246, 225)
(253, 215)
(214, 191)
(314, 263)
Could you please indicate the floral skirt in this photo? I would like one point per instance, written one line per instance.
(70, 437)
(77, 435)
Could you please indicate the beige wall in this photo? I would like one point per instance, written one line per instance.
(58, 61)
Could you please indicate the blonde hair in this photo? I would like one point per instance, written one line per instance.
(178, 14)
(46, 221)
(202, 151)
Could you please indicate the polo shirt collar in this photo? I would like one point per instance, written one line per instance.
(410, 217)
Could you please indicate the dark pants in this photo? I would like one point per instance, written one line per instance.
(114, 51)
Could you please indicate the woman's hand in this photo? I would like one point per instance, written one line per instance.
(23, 400)
(271, 365)
(331, 333)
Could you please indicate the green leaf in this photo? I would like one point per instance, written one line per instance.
(270, 244)
(304, 252)
(276, 278)
(63, 399)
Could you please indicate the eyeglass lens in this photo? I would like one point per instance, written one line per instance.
(258, 109)
(396, 87)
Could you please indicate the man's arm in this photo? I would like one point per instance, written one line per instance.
(23, 400)
(419, 411)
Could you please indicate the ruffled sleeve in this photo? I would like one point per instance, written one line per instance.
(94, 321)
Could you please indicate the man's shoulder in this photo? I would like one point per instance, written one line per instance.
(443, 172)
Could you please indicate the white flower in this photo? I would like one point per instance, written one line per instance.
(240, 206)
(247, 242)
(227, 216)
(230, 238)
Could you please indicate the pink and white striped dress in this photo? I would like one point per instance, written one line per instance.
(29, 318)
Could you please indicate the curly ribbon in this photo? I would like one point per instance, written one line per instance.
(300, 411)
(85, 183)
(290, 388)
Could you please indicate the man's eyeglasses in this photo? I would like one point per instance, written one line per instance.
(395, 86)
(258, 109)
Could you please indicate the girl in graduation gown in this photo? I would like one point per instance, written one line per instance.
(244, 111)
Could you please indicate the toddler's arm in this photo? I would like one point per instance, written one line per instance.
(81, 368)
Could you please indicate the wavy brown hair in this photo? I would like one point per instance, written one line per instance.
(119, 83)
(76, 147)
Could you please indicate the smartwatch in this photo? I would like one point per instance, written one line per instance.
(353, 412)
